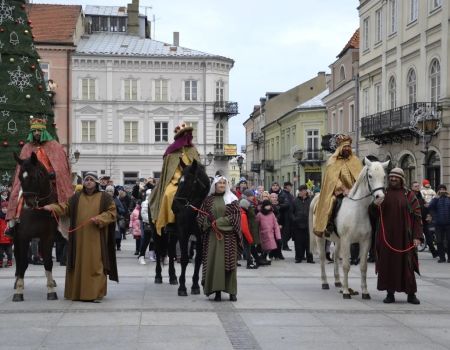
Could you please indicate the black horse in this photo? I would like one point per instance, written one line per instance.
(193, 188)
(37, 191)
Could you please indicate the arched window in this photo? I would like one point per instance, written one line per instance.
(392, 90)
(219, 134)
(435, 80)
(412, 86)
(409, 167)
(342, 74)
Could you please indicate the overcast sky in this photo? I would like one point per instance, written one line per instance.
(276, 45)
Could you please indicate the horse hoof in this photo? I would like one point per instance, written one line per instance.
(325, 286)
(347, 296)
(195, 291)
(182, 293)
(173, 281)
(52, 296)
(158, 280)
(366, 296)
(338, 284)
(17, 297)
(353, 292)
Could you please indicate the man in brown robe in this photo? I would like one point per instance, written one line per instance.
(91, 246)
(399, 228)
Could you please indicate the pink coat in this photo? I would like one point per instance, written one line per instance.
(135, 223)
(269, 231)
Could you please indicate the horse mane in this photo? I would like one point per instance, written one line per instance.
(360, 180)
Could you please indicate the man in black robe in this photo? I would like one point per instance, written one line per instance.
(399, 232)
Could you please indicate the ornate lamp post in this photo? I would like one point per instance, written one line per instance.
(298, 156)
(75, 157)
(209, 158)
(240, 162)
(426, 123)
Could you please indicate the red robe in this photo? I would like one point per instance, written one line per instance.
(58, 161)
(402, 223)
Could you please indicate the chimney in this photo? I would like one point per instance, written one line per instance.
(176, 38)
(133, 18)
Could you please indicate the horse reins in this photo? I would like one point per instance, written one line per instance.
(84, 223)
(219, 234)
(383, 235)
(372, 191)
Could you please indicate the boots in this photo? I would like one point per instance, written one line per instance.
(389, 298)
(218, 296)
(412, 299)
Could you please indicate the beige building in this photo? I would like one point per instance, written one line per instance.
(404, 91)
(341, 102)
(57, 30)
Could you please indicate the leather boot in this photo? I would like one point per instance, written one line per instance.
(218, 297)
(390, 298)
(412, 299)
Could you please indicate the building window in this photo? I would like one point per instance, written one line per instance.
(130, 177)
(161, 90)
(413, 10)
(88, 131)
(88, 89)
(161, 131)
(412, 86)
(378, 100)
(45, 67)
(131, 132)
(392, 92)
(366, 34)
(379, 26)
(408, 165)
(333, 123)
(194, 126)
(312, 144)
(435, 80)
(366, 102)
(341, 120)
(392, 16)
(435, 4)
(130, 89)
(282, 142)
(219, 134)
(220, 87)
(351, 119)
(190, 90)
(342, 73)
(288, 141)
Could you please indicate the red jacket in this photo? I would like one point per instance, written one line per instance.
(3, 238)
(245, 228)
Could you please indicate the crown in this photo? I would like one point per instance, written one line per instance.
(343, 139)
(37, 123)
(180, 129)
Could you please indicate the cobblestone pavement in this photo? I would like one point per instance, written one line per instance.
(279, 307)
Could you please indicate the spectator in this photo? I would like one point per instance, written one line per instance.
(286, 200)
(301, 226)
(147, 232)
(135, 226)
(269, 230)
(5, 241)
(427, 192)
(440, 208)
(120, 213)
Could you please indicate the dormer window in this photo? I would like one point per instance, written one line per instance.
(342, 74)
(109, 24)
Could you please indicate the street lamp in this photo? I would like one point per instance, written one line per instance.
(240, 161)
(209, 158)
(426, 123)
(298, 156)
(73, 158)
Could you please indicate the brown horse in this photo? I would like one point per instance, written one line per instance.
(37, 191)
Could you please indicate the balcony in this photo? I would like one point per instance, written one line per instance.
(268, 165)
(312, 157)
(225, 109)
(256, 137)
(255, 167)
(395, 125)
(224, 151)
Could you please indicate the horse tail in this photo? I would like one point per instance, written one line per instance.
(312, 236)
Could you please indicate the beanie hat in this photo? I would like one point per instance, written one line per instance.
(244, 203)
(91, 175)
(265, 203)
(109, 188)
(442, 187)
(248, 193)
(425, 182)
(398, 172)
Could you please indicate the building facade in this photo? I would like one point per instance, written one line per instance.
(341, 102)
(404, 90)
(130, 92)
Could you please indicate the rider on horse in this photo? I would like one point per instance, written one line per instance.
(178, 155)
(52, 155)
(341, 172)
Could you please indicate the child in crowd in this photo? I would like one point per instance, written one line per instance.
(269, 230)
(5, 241)
(136, 225)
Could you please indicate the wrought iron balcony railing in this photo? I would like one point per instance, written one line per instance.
(256, 137)
(268, 165)
(255, 167)
(227, 108)
(394, 125)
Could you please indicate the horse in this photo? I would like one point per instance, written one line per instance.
(193, 187)
(37, 191)
(352, 225)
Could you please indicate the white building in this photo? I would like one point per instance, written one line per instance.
(403, 76)
(130, 92)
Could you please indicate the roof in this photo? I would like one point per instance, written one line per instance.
(316, 101)
(54, 23)
(353, 43)
(121, 44)
(114, 11)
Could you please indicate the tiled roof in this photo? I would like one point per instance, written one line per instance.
(316, 101)
(353, 43)
(119, 44)
(53, 23)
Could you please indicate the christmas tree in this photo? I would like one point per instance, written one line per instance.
(23, 91)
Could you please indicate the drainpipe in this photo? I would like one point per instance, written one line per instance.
(357, 113)
(68, 100)
(204, 109)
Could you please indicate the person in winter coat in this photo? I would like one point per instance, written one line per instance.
(247, 240)
(269, 230)
(135, 225)
(120, 213)
(440, 208)
(5, 241)
(301, 226)
(147, 232)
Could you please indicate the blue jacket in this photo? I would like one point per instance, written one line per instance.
(440, 208)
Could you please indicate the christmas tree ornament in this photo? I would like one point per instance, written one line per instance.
(5, 114)
(3, 99)
(11, 59)
(40, 87)
(5, 143)
(27, 96)
(14, 38)
(6, 177)
(19, 79)
(21, 143)
(12, 127)
(6, 12)
(33, 66)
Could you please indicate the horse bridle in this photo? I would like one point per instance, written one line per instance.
(38, 199)
(186, 199)
(372, 191)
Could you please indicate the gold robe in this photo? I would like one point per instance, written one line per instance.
(87, 280)
(340, 173)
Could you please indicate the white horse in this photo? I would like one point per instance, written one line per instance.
(353, 226)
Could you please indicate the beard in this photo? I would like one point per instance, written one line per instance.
(346, 154)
